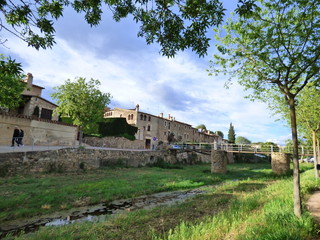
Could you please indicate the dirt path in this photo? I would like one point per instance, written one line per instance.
(313, 205)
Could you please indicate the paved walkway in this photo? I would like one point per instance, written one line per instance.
(4, 149)
(313, 205)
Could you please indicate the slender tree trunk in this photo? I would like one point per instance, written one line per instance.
(80, 135)
(318, 151)
(315, 154)
(296, 175)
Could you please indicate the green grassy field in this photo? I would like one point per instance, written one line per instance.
(252, 203)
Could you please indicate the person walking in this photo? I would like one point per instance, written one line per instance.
(15, 137)
(20, 138)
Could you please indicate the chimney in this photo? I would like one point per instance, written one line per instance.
(161, 115)
(169, 116)
(137, 108)
(29, 80)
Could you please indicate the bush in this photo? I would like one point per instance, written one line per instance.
(117, 127)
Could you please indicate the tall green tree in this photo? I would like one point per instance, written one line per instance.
(242, 140)
(10, 82)
(308, 117)
(274, 48)
(231, 134)
(82, 102)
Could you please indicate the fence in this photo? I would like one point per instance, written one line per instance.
(243, 148)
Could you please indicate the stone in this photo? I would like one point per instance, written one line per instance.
(280, 163)
(219, 161)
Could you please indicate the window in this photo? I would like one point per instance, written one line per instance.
(145, 118)
(141, 117)
(46, 113)
(169, 125)
(165, 123)
(149, 119)
(149, 128)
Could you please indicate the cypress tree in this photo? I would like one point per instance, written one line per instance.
(231, 134)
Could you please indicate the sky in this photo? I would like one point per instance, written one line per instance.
(136, 73)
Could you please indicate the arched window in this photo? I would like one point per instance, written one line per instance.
(149, 118)
(141, 117)
(131, 116)
(149, 128)
(145, 118)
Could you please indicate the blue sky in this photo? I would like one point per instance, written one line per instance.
(136, 73)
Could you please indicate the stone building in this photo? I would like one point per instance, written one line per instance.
(33, 104)
(35, 117)
(153, 129)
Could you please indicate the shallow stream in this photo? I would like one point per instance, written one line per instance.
(100, 212)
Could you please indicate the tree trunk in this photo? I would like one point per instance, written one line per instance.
(318, 151)
(80, 135)
(315, 154)
(296, 175)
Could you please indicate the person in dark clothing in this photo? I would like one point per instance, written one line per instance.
(15, 136)
(20, 138)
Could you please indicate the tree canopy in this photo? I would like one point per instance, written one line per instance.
(220, 134)
(10, 81)
(174, 24)
(81, 101)
(242, 140)
(273, 48)
(201, 127)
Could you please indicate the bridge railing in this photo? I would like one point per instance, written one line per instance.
(245, 148)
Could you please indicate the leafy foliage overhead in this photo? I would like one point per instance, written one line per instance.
(174, 24)
(273, 47)
(10, 82)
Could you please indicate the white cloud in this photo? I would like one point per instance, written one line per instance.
(179, 86)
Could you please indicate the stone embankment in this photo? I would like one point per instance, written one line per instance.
(79, 159)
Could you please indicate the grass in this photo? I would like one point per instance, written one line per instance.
(252, 203)
(25, 196)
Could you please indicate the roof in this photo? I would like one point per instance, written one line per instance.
(33, 85)
(41, 99)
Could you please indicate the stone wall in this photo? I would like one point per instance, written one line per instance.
(114, 142)
(37, 131)
(77, 159)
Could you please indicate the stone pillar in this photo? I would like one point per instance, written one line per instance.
(219, 161)
(230, 157)
(280, 163)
